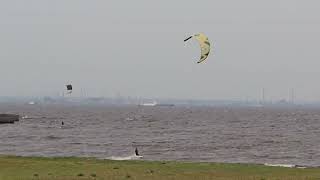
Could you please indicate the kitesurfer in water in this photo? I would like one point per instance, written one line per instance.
(136, 151)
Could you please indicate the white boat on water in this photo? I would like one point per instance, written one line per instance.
(31, 103)
(154, 103)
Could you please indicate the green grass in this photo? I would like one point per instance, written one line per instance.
(12, 167)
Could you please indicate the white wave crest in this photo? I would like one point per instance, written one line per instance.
(124, 158)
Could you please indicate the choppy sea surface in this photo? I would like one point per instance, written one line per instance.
(211, 134)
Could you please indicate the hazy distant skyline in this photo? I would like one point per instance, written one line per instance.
(136, 48)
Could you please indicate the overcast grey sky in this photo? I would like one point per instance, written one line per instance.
(136, 48)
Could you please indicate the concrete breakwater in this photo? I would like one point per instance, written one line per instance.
(8, 118)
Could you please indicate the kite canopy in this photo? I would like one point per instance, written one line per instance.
(204, 45)
(69, 88)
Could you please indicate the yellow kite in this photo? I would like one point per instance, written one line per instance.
(204, 45)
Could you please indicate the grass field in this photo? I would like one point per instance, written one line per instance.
(12, 167)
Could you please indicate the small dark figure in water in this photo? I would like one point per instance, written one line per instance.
(62, 123)
(136, 151)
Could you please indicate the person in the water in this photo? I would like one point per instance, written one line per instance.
(136, 151)
(62, 123)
